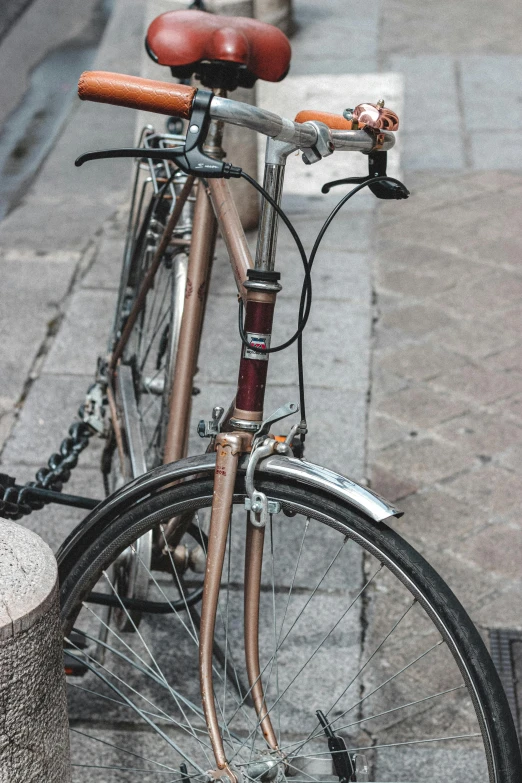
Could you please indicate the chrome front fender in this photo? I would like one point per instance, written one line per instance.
(345, 489)
(295, 470)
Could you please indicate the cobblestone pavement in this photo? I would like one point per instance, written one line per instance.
(445, 435)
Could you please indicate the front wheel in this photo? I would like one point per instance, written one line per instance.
(353, 623)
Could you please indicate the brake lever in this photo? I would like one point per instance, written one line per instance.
(346, 181)
(127, 152)
(387, 189)
(377, 162)
(190, 158)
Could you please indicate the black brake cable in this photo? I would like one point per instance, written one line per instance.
(306, 291)
(306, 295)
(307, 283)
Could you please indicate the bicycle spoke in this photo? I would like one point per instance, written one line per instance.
(300, 614)
(126, 769)
(163, 715)
(396, 744)
(151, 723)
(160, 323)
(318, 647)
(104, 696)
(149, 673)
(159, 670)
(275, 663)
(401, 707)
(125, 750)
(313, 734)
(194, 637)
(393, 677)
(111, 630)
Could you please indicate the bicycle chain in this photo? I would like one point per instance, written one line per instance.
(16, 502)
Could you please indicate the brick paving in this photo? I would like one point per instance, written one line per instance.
(445, 417)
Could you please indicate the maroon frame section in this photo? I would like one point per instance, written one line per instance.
(252, 372)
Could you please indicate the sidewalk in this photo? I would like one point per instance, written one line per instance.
(46, 247)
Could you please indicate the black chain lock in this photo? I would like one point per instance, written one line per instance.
(16, 501)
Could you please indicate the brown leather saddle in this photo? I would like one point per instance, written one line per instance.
(222, 51)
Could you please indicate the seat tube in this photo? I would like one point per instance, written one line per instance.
(202, 245)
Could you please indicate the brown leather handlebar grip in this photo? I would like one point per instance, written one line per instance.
(136, 93)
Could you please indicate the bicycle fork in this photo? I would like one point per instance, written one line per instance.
(229, 447)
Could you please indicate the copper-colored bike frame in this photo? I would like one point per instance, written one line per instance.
(215, 209)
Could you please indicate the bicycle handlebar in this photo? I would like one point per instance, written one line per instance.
(176, 100)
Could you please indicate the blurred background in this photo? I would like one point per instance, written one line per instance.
(415, 342)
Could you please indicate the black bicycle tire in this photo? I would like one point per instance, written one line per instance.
(433, 593)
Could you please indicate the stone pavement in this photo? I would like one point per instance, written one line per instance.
(446, 418)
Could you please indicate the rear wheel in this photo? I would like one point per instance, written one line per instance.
(149, 354)
(353, 622)
(143, 378)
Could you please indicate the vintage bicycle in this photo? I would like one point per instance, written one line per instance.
(366, 668)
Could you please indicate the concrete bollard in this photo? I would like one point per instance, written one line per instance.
(34, 733)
